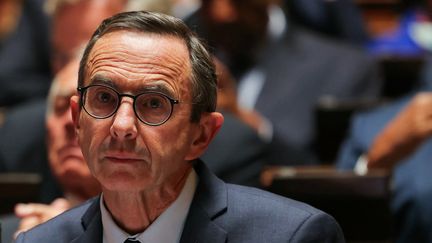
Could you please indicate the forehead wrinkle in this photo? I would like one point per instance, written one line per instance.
(165, 65)
(143, 57)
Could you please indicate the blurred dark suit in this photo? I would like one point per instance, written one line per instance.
(303, 67)
(412, 189)
(24, 57)
(236, 157)
(23, 148)
(300, 67)
(340, 19)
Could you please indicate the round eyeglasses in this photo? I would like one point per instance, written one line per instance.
(151, 108)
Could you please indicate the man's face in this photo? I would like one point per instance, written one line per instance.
(123, 153)
(75, 23)
(65, 157)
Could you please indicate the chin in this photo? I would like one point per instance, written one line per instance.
(73, 174)
(124, 182)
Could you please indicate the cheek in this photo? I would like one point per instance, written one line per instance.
(171, 143)
(90, 135)
(55, 140)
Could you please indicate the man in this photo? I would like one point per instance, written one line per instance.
(144, 114)
(64, 156)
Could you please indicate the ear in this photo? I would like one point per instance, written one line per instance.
(75, 110)
(209, 125)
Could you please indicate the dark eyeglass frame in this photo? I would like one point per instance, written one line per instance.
(83, 90)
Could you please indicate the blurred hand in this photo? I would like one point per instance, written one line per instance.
(403, 134)
(33, 214)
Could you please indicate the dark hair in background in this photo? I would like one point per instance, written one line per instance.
(203, 78)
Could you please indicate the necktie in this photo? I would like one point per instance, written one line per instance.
(131, 240)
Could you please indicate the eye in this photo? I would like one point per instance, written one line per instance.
(154, 103)
(104, 96)
(60, 105)
(100, 95)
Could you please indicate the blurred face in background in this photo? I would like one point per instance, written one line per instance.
(75, 23)
(64, 154)
(236, 27)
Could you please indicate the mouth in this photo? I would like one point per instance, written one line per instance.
(123, 158)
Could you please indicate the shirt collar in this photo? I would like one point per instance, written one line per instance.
(173, 218)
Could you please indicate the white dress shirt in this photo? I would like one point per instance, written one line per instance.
(167, 228)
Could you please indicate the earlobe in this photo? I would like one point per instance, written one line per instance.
(75, 109)
(210, 124)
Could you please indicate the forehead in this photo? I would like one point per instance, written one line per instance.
(138, 58)
(66, 79)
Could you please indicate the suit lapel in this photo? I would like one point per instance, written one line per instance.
(209, 204)
(92, 225)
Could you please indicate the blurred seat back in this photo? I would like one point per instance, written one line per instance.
(401, 74)
(16, 188)
(360, 204)
(332, 121)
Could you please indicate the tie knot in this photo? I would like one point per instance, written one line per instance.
(132, 240)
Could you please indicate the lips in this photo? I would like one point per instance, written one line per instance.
(123, 158)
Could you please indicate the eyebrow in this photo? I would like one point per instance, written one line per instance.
(101, 79)
(155, 86)
(158, 88)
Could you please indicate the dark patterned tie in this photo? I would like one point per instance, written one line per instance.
(131, 240)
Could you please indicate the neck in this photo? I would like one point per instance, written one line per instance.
(135, 211)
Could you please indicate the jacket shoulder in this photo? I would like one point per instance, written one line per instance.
(278, 218)
(62, 228)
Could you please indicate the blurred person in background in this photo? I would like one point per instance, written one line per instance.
(65, 159)
(397, 137)
(283, 70)
(25, 72)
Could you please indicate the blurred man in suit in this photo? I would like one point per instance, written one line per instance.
(397, 137)
(283, 70)
(144, 115)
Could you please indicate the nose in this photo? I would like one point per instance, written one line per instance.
(69, 126)
(124, 124)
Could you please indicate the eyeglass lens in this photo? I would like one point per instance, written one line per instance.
(151, 108)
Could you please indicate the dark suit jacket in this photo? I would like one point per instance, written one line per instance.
(341, 18)
(23, 148)
(412, 189)
(219, 213)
